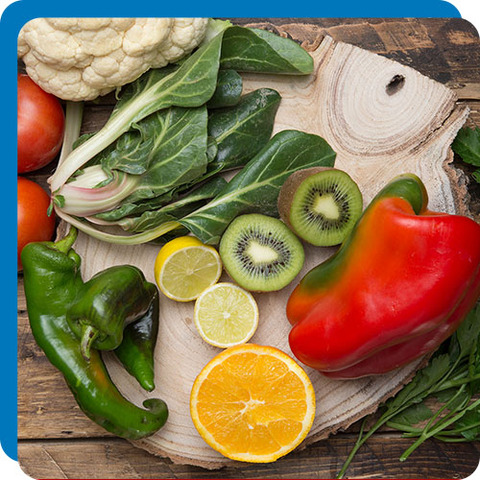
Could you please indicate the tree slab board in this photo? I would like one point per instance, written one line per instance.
(382, 118)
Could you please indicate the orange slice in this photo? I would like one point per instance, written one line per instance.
(252, 403)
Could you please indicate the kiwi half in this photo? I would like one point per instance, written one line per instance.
(321, 205)
(261, 253)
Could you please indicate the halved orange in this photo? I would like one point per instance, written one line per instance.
(253, 403)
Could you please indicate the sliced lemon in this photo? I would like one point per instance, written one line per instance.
(226, 315)
(252, 403)
(185, 267)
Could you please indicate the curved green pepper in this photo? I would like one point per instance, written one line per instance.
(136, 352)
(51, 281)
(103, 306)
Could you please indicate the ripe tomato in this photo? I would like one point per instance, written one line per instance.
(33, 223)
(41, 122)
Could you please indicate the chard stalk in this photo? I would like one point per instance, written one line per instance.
(73, 124)
(135, 239)
(116, 126)
(93, 191)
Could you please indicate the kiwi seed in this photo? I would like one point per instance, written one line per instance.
(321, 205)
(261, 253)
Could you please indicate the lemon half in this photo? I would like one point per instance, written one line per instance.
(185, 267)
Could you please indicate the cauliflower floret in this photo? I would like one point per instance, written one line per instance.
(82, 58)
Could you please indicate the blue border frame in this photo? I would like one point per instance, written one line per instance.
(18, 13)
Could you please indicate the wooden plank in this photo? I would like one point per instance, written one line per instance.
(116, 458)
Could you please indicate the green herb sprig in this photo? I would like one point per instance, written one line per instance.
(467, 146)
(452, 378)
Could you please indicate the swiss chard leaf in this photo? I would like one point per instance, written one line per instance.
(241, 131)
(254, 50)
(171, 147)
(128, 209)
(166, 150)
(256, 187)
(192, 84)
(467, 145)
(175, 210)
(229, 90)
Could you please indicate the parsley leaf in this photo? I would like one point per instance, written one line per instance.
(467, 145)
(452, 377)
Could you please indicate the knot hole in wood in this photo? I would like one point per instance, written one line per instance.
(395, 84)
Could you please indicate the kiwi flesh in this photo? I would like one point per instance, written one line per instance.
(261, 253)
(321, 205)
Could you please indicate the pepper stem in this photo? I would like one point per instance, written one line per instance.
(89, 334)
(67, 241)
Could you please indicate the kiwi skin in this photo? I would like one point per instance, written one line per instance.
(287, 194)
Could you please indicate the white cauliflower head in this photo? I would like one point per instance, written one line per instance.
(82, 58)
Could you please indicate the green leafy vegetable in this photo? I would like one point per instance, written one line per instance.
(256, 187)
(164, 138)
(190, 85)
(167, 149)
(451, 377)
(241, 131)
(467, 146)
(167, 153)
(175, 210)
(229, 90)
(254, 50)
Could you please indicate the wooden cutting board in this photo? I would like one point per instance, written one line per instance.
(382, 119)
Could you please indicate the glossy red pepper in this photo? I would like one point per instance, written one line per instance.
(399, 285)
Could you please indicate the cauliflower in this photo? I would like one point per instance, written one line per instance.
(82, 58)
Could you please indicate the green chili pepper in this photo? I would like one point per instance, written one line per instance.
(108, 302)
(136, 352)
(52, 280)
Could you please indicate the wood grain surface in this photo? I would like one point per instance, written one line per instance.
(57, 441)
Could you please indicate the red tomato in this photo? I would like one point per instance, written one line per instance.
(41, 122)
(33, 223)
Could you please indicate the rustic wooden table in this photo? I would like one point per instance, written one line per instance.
(56, 440)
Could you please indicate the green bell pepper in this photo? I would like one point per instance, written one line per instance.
(136, 352)
(109, 301)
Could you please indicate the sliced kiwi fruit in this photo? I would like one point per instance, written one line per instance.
(321, 205)
(261, 253)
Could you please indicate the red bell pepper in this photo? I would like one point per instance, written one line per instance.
(399, 285)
